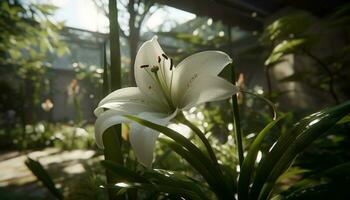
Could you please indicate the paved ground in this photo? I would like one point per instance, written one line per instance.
(17, 182)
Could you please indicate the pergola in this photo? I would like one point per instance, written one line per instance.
(249, 14)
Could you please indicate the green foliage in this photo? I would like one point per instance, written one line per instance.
(295, 25)
(44, 134)
(27, 36)
(207, 167)
(290, 145)
(302, 34)
(273, 165)
(90, 74)
(156, 181)
(283, 48)
(39, 171)
(249, 161)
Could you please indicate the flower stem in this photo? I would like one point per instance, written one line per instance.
(112, 137)
(236, 119)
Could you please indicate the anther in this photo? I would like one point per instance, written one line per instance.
(171, 64)
(154, 69)
(165, 56)
(143, 66)
(159, 59)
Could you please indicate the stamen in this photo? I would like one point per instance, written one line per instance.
(165, 56)
(154, 69)
(171, 64)
(159, 59)
(143, 66)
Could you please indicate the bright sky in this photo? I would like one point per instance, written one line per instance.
(83, 14)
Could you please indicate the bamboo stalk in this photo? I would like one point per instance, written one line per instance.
(112, 136)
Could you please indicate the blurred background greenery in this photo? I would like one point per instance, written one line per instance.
(296, 54)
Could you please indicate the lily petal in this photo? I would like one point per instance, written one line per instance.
(143, 139)
(123, 94)
(128, 100)
(206, 63)
(105, 120)
(206, 89)
(113, 117)
(146, 58)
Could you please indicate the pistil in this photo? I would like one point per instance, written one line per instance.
(155, 70)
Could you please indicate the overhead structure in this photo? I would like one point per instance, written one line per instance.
(249, 14)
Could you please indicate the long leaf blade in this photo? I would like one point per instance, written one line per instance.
(183, 141)
(183, 192)
(289, 145)
(39, 171)
(248, 163)
(129, 179)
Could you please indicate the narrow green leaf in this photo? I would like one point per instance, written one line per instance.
(174, 179)
(249, 161)
(39, 171)
(267, 163)
(202, 137)
(344, 120)
(183, 141)
(195, 163)
(283, 48)
(339, 171)
(289, 145)
(339, 191)
(159, 188)
(122, 172)
(154, 177)
(335, 173)
(106, 76)
(236, 120)
(292, 171)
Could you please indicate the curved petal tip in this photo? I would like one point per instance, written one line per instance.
(154, 38)
(230, 60)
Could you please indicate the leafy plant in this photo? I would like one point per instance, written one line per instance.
(262, 178)
(301, 34)
(39, 171)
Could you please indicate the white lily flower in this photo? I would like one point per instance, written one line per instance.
(163, 91)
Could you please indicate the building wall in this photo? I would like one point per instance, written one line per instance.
(85, 48)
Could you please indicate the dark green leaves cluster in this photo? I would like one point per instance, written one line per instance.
(255, 182)
(156, 181)
(304, 35)
(27, 35)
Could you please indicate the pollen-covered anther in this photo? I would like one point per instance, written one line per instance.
(171, 64)
(154, 69)
(159, 59)
(144, 66)
(165, 56)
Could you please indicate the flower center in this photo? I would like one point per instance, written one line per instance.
(159, 75)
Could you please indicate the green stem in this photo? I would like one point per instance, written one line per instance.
(112, 136)
(270, 103)
(236, 120)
